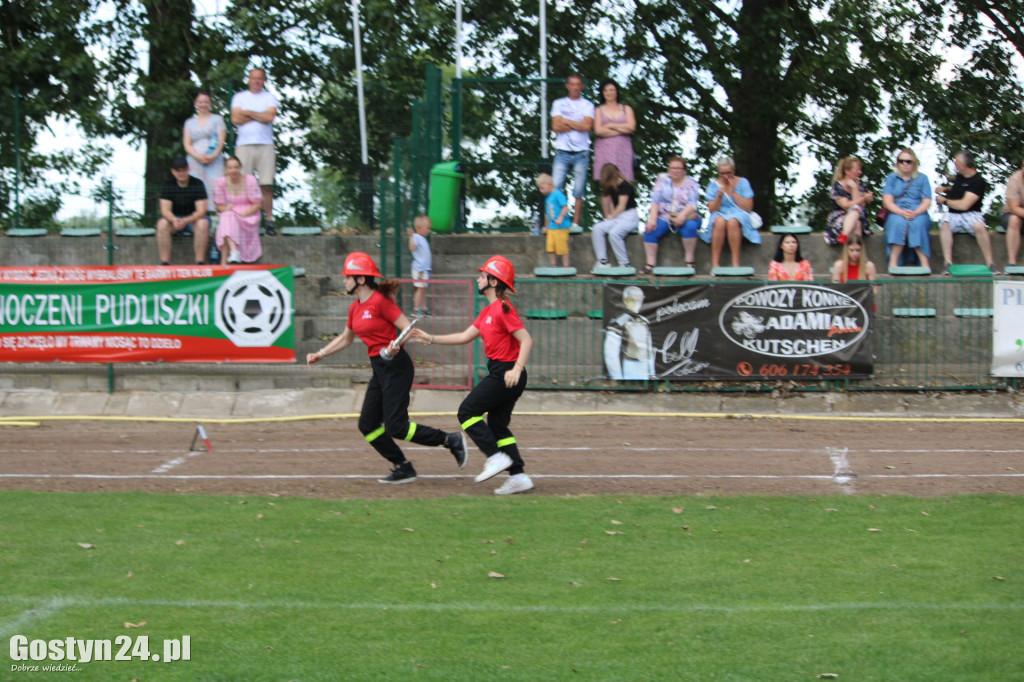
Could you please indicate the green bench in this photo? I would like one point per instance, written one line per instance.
(669, 271)
(741, 271)
(554, 272)
(914, 312)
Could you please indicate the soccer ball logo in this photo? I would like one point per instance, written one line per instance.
(253, 308)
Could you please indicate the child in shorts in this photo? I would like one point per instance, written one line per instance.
(419, 246)
(556, 207)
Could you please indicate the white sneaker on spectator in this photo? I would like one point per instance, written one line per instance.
(515, 484)
(494, 465)
(234, 257)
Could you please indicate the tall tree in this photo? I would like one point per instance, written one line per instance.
(979, 105)
(45, 64)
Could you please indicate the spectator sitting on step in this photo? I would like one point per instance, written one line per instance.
(182, 211)
(854, 264)
(907, 197)
(618, 202)
(238, 199)
(850, 197)
(1013, 214)
(674, 208)
(963, 201)
(730, 201)
(788, 265)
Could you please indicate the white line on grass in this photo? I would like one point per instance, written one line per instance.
(258, 477)
(319, 605)
(42, 612)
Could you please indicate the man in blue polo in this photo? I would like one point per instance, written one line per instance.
(182, 211)
(572, 119)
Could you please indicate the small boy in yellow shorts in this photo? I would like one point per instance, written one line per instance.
(556, 207)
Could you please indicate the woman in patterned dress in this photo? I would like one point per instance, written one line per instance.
(614, 125)
(850, 197)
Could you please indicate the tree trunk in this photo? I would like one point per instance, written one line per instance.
(166, 89)
(757, 99)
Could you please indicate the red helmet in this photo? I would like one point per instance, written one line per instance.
(358, 263)
(501, 269)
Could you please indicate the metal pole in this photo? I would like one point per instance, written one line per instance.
(110, 221)
(458, 38)
(110, 261)
(457, 120)
(17, 158)
(365, 172)
(544, 80)
(359, 81)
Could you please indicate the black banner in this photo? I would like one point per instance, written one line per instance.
(784, 330)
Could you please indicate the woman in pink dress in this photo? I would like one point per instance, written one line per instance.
(238, 199)
(614, 124)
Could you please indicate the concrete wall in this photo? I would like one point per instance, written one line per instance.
(455, 255)
(320, 304)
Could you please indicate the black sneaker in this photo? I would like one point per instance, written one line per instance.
(456, 442)
(945, 270)
(403, 473)
(994, 269)
(270, 229)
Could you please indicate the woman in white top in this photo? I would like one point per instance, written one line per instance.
(203, 137)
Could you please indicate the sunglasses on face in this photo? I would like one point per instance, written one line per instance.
(726, 174)
(905, 161)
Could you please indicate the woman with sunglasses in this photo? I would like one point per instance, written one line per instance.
(907, 196)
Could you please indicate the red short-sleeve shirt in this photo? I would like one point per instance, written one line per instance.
(374, 321)
(496, 327)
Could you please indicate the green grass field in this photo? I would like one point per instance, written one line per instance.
(595, 588)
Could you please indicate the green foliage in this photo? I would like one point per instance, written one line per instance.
(768, 82)
(470, 588)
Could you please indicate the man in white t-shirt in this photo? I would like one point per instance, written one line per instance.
(254, 111)
(572, 119)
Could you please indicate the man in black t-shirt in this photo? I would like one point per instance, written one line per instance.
(182, 210)
(963, 201)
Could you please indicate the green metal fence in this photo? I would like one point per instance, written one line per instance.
(930, 334)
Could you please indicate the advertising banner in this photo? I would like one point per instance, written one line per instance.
(194, 313)
(1008, 329)
(785, 330)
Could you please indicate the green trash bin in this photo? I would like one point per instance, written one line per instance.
(445, 184)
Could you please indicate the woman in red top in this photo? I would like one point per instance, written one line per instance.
(853, 265)
(507, 346)
(376, 320)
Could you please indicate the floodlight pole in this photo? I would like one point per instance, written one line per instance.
(17, 158)
(458, 38)
(543, 80)
(365, 172)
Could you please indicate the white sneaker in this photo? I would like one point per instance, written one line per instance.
(494, 465)
(519, 483)
(234, 257)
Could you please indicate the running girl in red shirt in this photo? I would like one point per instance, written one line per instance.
(376, 320)
(507, 346)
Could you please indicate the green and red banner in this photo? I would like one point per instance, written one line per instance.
(196, 313)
